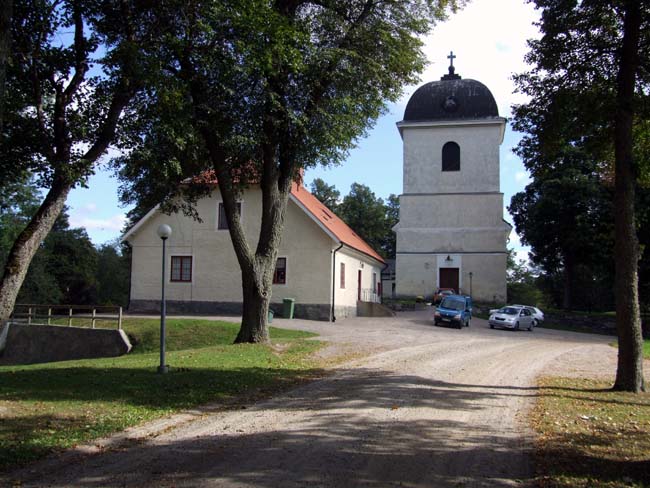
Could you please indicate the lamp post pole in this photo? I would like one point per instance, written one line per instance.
(164, 231)
(470, 283)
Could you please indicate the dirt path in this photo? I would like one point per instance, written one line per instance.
(431, 407)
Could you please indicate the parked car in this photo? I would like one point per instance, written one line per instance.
(441, 293)
(454, 310)
(538, 315)
(512, 317)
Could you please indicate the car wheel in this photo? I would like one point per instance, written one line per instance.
(533, 324)
(460, 325)
(491, 326)
(517, 326)
(467, 323)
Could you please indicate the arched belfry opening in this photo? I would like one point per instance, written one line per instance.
(451, 156)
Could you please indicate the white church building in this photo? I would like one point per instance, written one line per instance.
(451, 232)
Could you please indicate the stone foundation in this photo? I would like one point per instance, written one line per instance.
(308, 311)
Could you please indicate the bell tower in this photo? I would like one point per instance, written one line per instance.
(451, 232)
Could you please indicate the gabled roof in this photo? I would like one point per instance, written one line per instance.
(327, 220)
(330, 222)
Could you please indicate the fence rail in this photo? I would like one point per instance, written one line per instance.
(37, 314)
(370, 295)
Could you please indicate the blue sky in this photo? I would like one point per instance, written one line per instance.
(489, 39)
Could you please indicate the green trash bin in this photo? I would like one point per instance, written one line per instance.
(270, 316)
(287, 307)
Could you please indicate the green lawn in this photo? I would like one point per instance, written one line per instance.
(590, 436)
(51, 406)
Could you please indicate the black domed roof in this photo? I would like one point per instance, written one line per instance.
(451, 98)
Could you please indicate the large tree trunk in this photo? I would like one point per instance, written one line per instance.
(256, 287)
(27, 244)
(629, 374)
(257, 278)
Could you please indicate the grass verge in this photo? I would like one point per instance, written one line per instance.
(46, 407)
(590, 436)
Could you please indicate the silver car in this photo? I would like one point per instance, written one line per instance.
(538, 315)
(512, 317)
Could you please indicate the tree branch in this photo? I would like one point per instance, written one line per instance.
(81, 61)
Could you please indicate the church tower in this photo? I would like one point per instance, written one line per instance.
(451, 232)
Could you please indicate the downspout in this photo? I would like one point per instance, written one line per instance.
(334, 280)
(381, 298)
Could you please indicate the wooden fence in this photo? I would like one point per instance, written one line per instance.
(27, 313)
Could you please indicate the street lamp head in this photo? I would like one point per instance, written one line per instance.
(164, 231)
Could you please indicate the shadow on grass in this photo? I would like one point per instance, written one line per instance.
(565, 463)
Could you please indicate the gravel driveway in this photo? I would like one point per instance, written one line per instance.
(428, 407)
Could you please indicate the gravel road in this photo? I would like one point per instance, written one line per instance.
(426, 407)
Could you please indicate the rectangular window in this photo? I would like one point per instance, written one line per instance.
(181, 269)
(222, 221)
(374, 282)
(342, 275)
(280, 274)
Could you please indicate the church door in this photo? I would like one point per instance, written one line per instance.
(449, 278)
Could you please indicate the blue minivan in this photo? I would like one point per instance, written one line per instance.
(454, 310)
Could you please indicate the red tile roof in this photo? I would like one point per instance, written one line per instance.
(332, 223)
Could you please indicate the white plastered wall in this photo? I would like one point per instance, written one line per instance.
(354, 262)
(479, 158)
(216, 273)
(452, 213)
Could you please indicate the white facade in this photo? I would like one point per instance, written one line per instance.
(215, 285)
(451, 222)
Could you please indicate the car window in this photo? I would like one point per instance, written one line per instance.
(509, 311)
(453, 304)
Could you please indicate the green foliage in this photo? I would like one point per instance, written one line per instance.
(113, 275)
(48, 407)
(328, 195)
(366, 214)
(66, 268)
(567, 213)
(299, 99)
(522, 283)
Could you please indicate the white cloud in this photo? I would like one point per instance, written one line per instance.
(489, 40)
(90, 207)
(114, 223)
(522, 176)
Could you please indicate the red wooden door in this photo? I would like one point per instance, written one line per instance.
(449, 278)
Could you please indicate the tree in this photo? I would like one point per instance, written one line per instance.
(328, 195)
(365, 213)
(112, 275)
(522, 282)
(392, 218)
(254, 91)
(64, 100)
(565, 216)
(6, 7)
(64, 267)
(588, 83)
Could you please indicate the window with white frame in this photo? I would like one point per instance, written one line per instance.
(181, 269)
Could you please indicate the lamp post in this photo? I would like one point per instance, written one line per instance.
(470, 283)
(164, 231)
